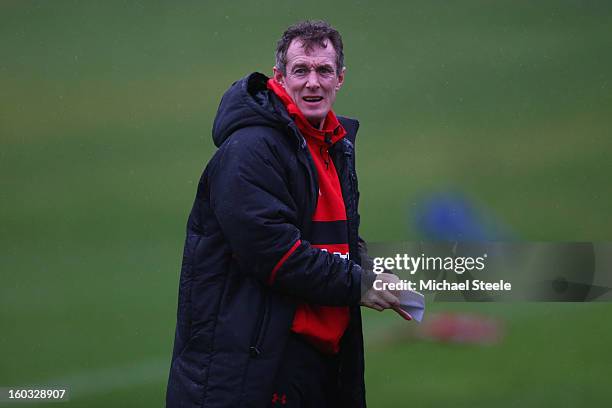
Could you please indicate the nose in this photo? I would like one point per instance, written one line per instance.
(312, 81)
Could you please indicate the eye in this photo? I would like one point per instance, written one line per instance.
(299, 71)
(326, 71)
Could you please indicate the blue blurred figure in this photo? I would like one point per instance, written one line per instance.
(450, 217)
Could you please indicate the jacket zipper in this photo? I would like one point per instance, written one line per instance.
(352, 213)
(309, 164)
(258, 335)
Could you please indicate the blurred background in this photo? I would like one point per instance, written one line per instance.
(105, 117)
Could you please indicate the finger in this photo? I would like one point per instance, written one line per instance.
(375, 306)
(390, 299)
(405, 315)
(370, 305)
(382, 303)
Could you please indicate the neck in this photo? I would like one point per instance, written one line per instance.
(317, 124)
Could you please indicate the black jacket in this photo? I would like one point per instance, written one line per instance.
(255, 199)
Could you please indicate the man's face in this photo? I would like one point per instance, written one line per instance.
(311, 80)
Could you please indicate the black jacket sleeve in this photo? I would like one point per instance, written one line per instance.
(258, 216)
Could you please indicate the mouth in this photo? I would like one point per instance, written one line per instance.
(312, 99)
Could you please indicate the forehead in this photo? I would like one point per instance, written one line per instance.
(316, 55)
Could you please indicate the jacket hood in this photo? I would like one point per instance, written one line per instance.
(248, 102)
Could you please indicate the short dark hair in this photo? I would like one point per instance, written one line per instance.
(310, 33)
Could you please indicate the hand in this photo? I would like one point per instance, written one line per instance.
(382, 299)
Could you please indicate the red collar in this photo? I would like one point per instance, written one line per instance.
(332, 129)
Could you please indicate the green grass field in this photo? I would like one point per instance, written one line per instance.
(105, 117)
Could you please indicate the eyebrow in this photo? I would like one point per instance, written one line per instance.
(305, 65)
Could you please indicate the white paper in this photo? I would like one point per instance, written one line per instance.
(413, 303)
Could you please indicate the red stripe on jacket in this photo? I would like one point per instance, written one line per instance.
(282, 261)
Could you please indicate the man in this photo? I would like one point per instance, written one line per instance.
(271, 283)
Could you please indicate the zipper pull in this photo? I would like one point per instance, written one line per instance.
(322, 152)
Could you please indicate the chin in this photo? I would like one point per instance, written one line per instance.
(315, 116)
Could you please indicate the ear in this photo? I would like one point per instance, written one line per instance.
(340, 79)
(278, 76)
